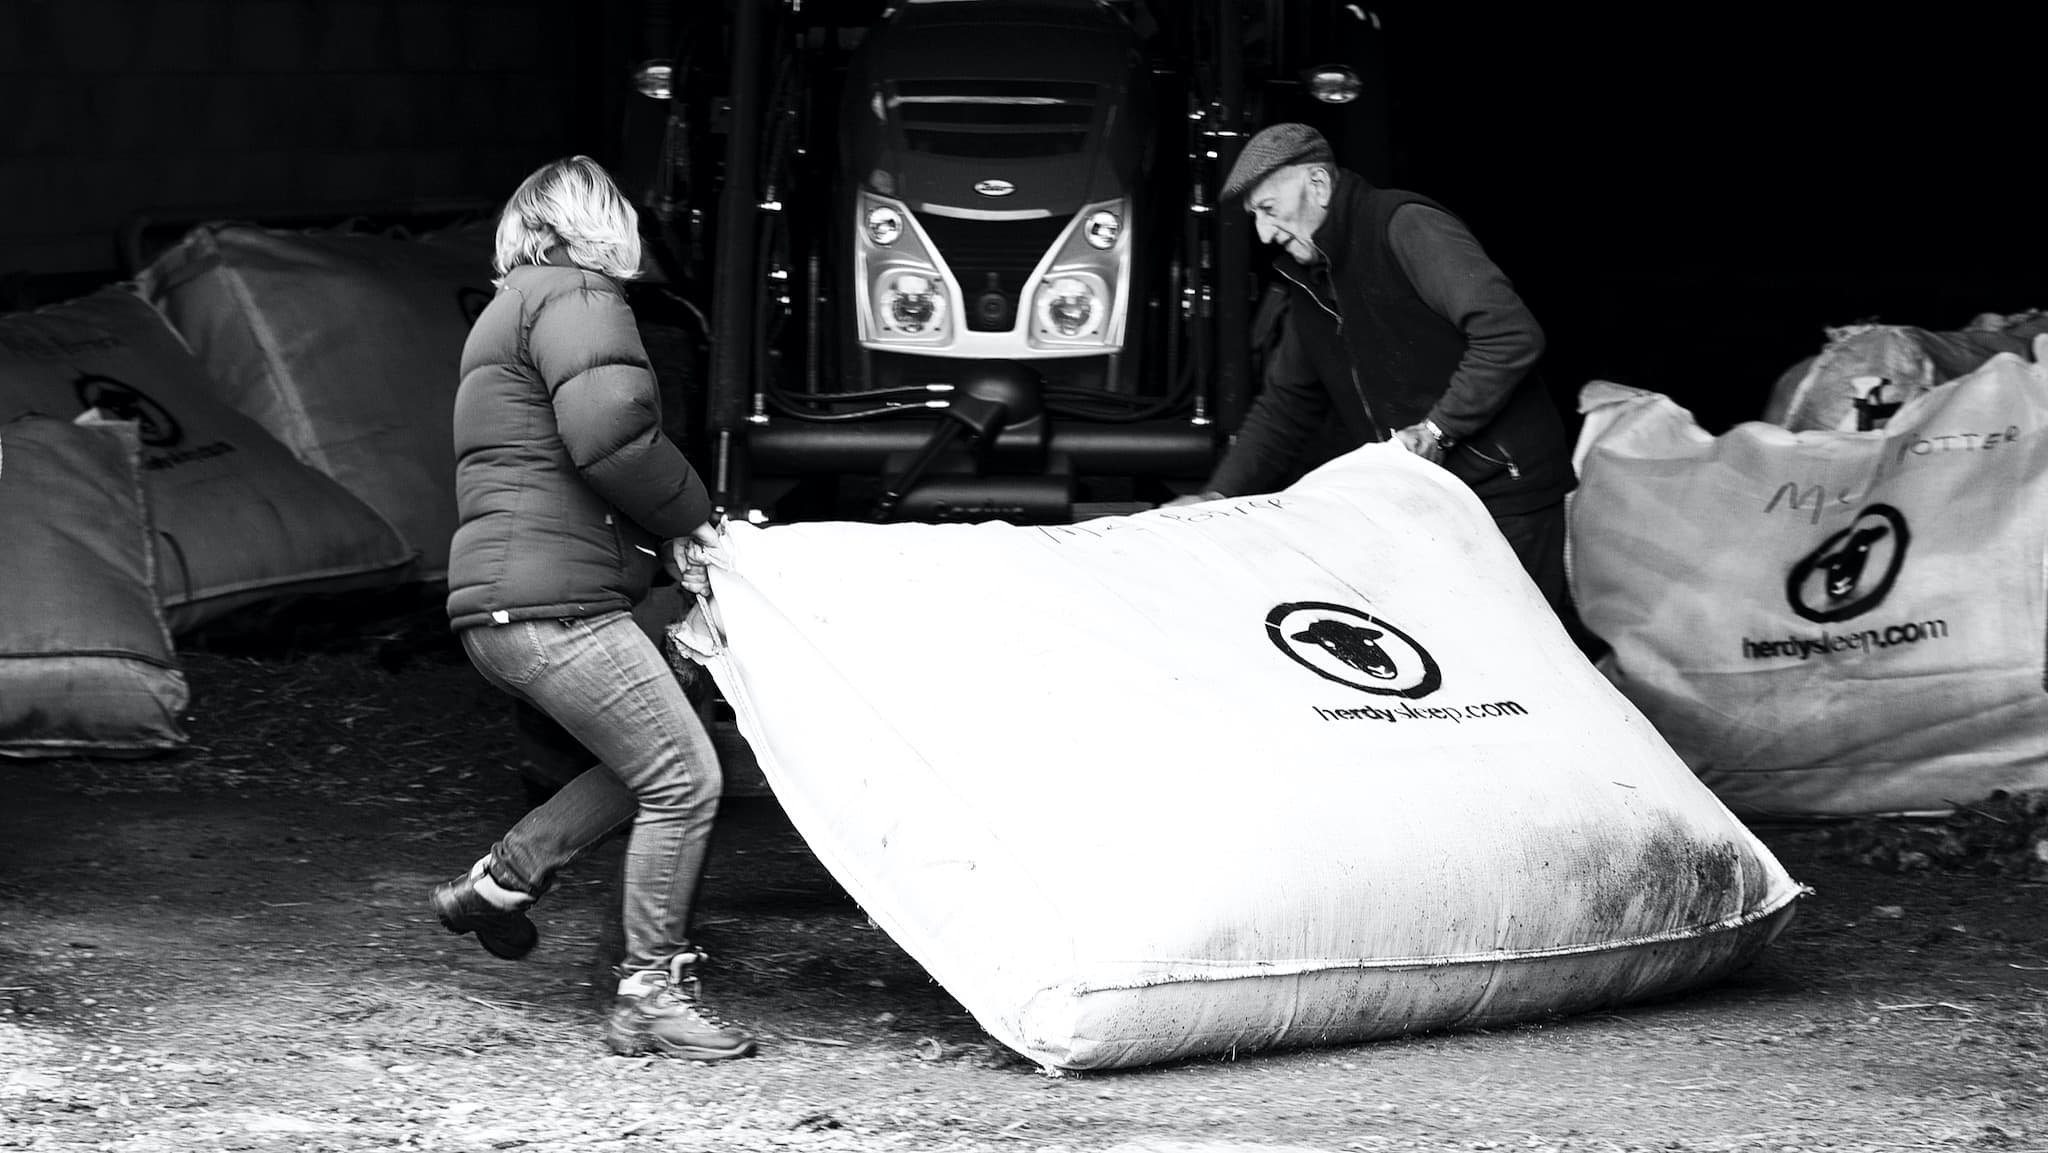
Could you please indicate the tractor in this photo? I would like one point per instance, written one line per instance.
(961, 260)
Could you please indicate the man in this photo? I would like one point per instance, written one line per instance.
(1400, 326)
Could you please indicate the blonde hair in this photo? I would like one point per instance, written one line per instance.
(571, 203)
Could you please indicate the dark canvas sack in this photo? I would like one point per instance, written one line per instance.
(346, 346)
(86, 664)
(238, 519)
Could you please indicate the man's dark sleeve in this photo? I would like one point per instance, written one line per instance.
(1292, 404)
(1454, 277)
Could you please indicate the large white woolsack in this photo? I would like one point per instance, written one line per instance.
(1305, 768)
(239, 521)
(1826, 622)
(86, 664)
(346, 346)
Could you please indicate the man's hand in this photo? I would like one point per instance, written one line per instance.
(1418, 439)
(1193, 498)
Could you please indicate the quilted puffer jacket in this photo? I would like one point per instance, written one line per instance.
(565, 485)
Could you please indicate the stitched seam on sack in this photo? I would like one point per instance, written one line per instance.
(303, 441)
(13, 750)
(286, 580)
(131, 455)
(96, 654)
(1300, 968)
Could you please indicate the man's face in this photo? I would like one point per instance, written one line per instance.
(1288, 206)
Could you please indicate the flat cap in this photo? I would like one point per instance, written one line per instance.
(1275, 147)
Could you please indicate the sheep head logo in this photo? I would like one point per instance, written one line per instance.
(1352, 644)
(1352, 647)
(1844, 566)
(1853, 570)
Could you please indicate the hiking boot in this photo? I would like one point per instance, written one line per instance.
(657, 1011)
(503, 932)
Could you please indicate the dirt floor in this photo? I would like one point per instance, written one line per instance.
(229, 949)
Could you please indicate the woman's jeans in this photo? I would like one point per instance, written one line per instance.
(604, 681)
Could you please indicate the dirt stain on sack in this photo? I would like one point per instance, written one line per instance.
(1677, 879)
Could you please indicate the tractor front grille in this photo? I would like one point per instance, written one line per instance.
(994, 120)
(991, 256)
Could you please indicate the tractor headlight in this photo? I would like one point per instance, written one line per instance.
(1076, 299)
(885, 225)
(1334, 84)
(907, 298)
(911, 302)
(1102, 228)
(1069, 307)
(655, 79)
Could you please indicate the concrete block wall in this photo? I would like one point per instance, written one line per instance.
(108, 107)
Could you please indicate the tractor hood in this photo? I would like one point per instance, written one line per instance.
(997, 109)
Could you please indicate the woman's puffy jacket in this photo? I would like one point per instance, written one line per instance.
(563, 479)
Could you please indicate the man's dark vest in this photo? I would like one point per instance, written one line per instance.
(1385, 355)
(1404, 350)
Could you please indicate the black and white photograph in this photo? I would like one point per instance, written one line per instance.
(1022, 576)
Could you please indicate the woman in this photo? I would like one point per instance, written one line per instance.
(568, 492)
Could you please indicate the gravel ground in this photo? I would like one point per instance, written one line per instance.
(228, 949)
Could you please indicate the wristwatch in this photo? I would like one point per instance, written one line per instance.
(1443, 441)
